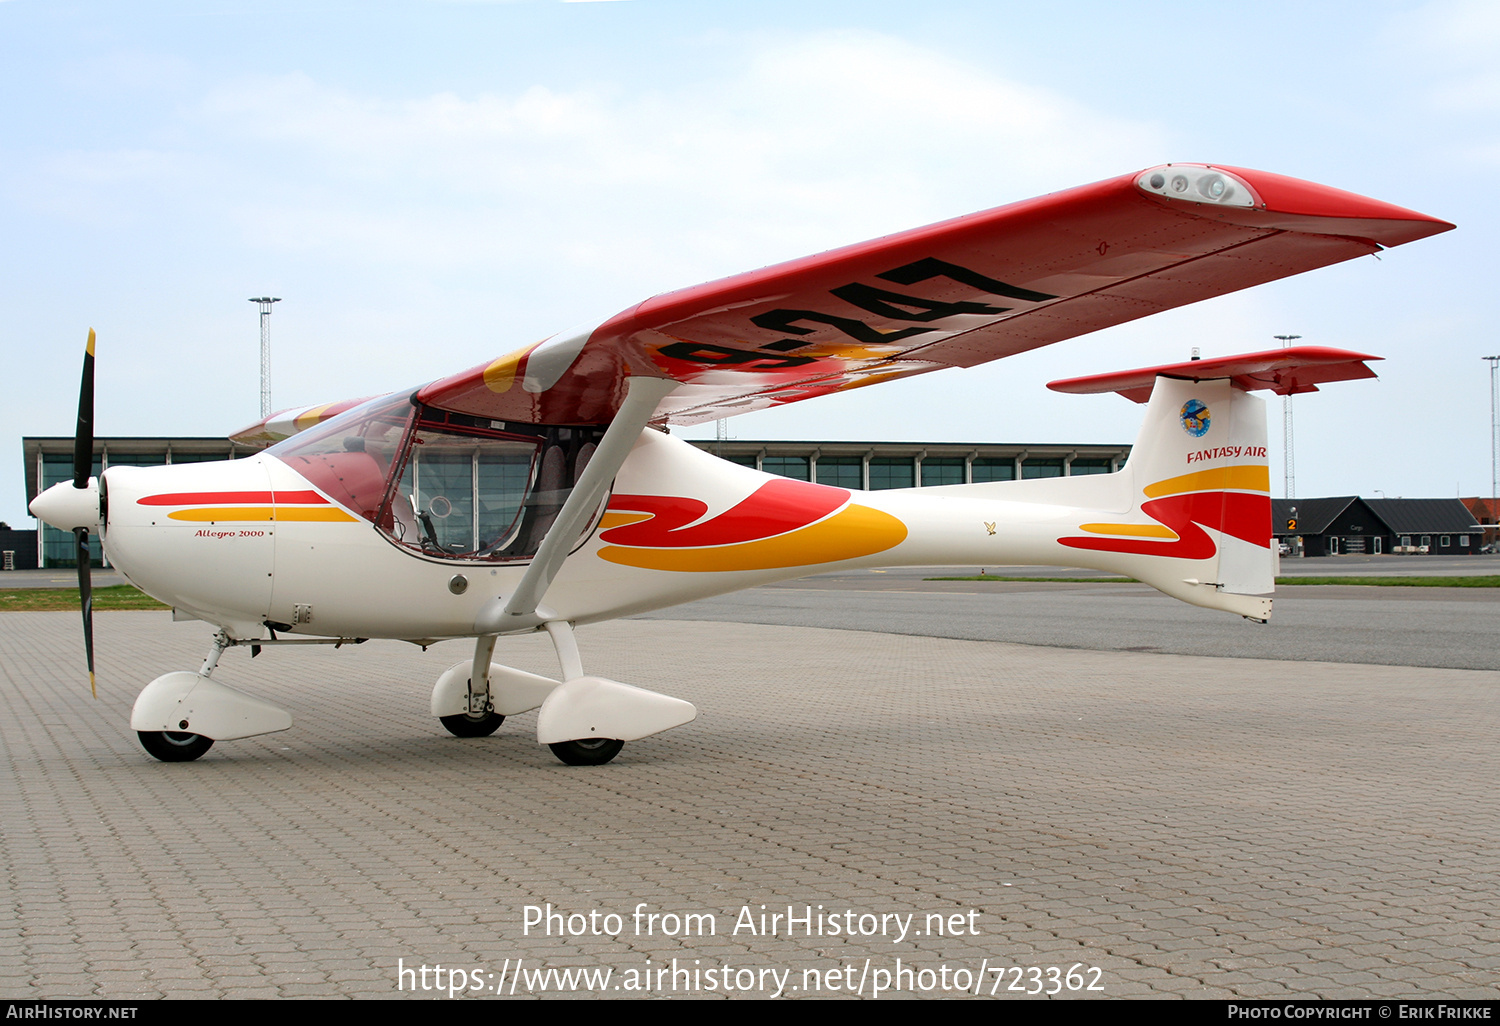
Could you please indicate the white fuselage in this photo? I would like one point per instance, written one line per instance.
(212, 551)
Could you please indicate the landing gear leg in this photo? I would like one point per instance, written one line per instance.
(177, 745)
(481, 719)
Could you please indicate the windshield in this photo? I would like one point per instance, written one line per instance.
(350, 456)
(441, 484)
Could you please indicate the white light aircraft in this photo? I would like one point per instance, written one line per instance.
(535, 493)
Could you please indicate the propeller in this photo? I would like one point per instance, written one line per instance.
(83, 463)
(78, 506)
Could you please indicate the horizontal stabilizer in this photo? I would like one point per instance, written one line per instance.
(1283, 371)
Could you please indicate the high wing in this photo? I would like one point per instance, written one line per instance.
(954, 294)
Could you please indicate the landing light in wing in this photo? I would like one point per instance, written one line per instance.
(1198, 184)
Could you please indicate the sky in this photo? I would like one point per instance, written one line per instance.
(431, 184)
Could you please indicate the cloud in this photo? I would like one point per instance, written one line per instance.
(801, 144)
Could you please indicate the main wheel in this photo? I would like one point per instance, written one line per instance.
(588, 751)
(464, 725)
(174, 746)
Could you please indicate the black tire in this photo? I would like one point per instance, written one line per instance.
(174, 746)
(464, 725)
(588, 751)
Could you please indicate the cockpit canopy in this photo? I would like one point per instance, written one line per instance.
(444, 485)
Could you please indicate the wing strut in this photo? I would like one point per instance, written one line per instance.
(521, 611)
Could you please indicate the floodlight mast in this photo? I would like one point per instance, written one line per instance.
(265, 351)
(1288, 461)
(1494, 362)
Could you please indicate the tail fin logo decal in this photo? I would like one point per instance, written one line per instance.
(1195, 418)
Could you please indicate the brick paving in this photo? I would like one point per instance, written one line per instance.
(1192, 826)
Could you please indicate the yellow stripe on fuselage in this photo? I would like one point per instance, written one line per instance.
(614, 519)
(1134, 530)
(257, 514)
(1249, 478)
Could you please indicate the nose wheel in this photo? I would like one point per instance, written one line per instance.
(174, 746)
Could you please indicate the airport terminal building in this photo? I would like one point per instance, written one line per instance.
(857, 465)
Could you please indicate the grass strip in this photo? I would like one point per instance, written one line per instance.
(1399, 582)
(1366, 582)
(1048, 580)
(43, 600)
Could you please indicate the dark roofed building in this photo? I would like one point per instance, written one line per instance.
(1424, 516)
(1350, 525)
(1339, 525)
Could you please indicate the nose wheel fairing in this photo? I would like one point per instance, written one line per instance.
(188, 702)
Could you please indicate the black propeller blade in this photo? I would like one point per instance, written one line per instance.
(86, 597)
(83, 438)
(83, 463)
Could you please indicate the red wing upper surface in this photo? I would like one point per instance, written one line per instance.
(954, 294)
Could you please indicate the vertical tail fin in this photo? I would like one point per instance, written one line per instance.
(1199, 526)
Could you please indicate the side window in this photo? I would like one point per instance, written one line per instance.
(472, 489)
(461, 495)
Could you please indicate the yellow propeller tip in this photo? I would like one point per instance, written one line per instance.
(91, 342)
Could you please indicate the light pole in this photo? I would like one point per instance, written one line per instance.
(1494, 448)
(265, 351)
(1288, 461)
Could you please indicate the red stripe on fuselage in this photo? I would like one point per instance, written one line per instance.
(239, 498)
(774, 508)
(1237, 514)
